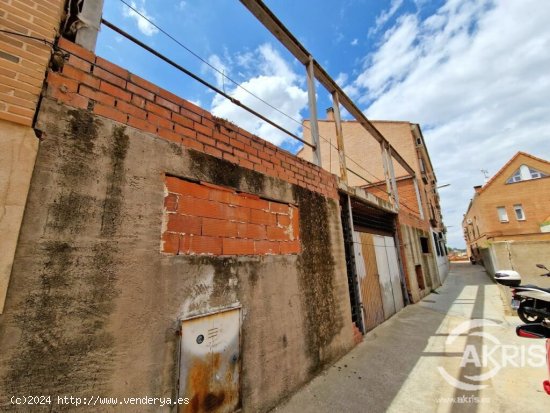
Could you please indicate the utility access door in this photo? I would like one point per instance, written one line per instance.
(210, 363)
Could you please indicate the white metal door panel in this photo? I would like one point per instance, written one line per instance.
(384, 275)
(210, 362)
(394, 273)
(359, 259)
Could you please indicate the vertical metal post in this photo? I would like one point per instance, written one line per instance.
(313, 112)
(339, 137)
(89, 18)
(395, 192)
(386, 172)
(402, 271)
(418, 198)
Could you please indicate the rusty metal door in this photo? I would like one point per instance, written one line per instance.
(369, 284)
(210, 363)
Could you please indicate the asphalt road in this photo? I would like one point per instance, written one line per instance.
(430, 358)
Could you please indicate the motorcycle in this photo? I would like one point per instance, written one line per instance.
(541, 330)
(531, 302)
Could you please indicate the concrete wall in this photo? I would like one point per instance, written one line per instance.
(413, 257)
(521, 256)
(94, 303)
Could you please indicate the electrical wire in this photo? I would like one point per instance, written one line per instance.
(224, 75)
(206, 62)
(201, 80)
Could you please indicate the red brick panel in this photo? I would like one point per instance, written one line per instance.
(92, 83)
(24, 61)
(202, 218)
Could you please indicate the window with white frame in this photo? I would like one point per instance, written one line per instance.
(502, 214)
(520, 215)
(525, 173)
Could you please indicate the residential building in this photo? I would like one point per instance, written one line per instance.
(507, 221)
(421, 230)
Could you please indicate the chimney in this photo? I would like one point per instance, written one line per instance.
(477, 188)
(330, 113)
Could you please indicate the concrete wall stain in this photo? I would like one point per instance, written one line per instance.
(113, 199)
(222, 172)
(65, 346)
(71, 210)
(317, 275)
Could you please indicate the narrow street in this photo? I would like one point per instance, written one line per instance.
(408, 363)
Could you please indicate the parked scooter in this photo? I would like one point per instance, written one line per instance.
(531, 302)
(538, 331)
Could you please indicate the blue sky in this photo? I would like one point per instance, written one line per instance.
(473, 73)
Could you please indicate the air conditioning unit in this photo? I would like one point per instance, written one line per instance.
(469, 221)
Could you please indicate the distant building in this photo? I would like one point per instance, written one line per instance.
(421, 229)
(507, 224)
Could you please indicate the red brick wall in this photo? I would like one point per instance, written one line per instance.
(92, 83)
(23, 61)
(201, 218)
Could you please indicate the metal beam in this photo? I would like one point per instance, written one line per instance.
(383, 150)
(313, 112)
(339, 137)
(276, 27)
(395, 192)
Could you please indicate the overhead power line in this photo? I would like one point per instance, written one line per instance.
(201, 80)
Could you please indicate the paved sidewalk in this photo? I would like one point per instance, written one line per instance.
(400, 365)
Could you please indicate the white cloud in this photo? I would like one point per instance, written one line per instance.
(475, 79)
(385, 16)
(143, 25)
(354, 42)
(221, 70)
(275, 83)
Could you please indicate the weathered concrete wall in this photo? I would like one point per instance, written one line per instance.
(18, 147)
(413, 257)
(93, 304)
(521, 256)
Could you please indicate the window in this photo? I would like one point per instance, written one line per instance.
(520, 215)
(502, 214)
(525, 173)
(536, 174)
(516, 177)
(436, 243)
(424, 245)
